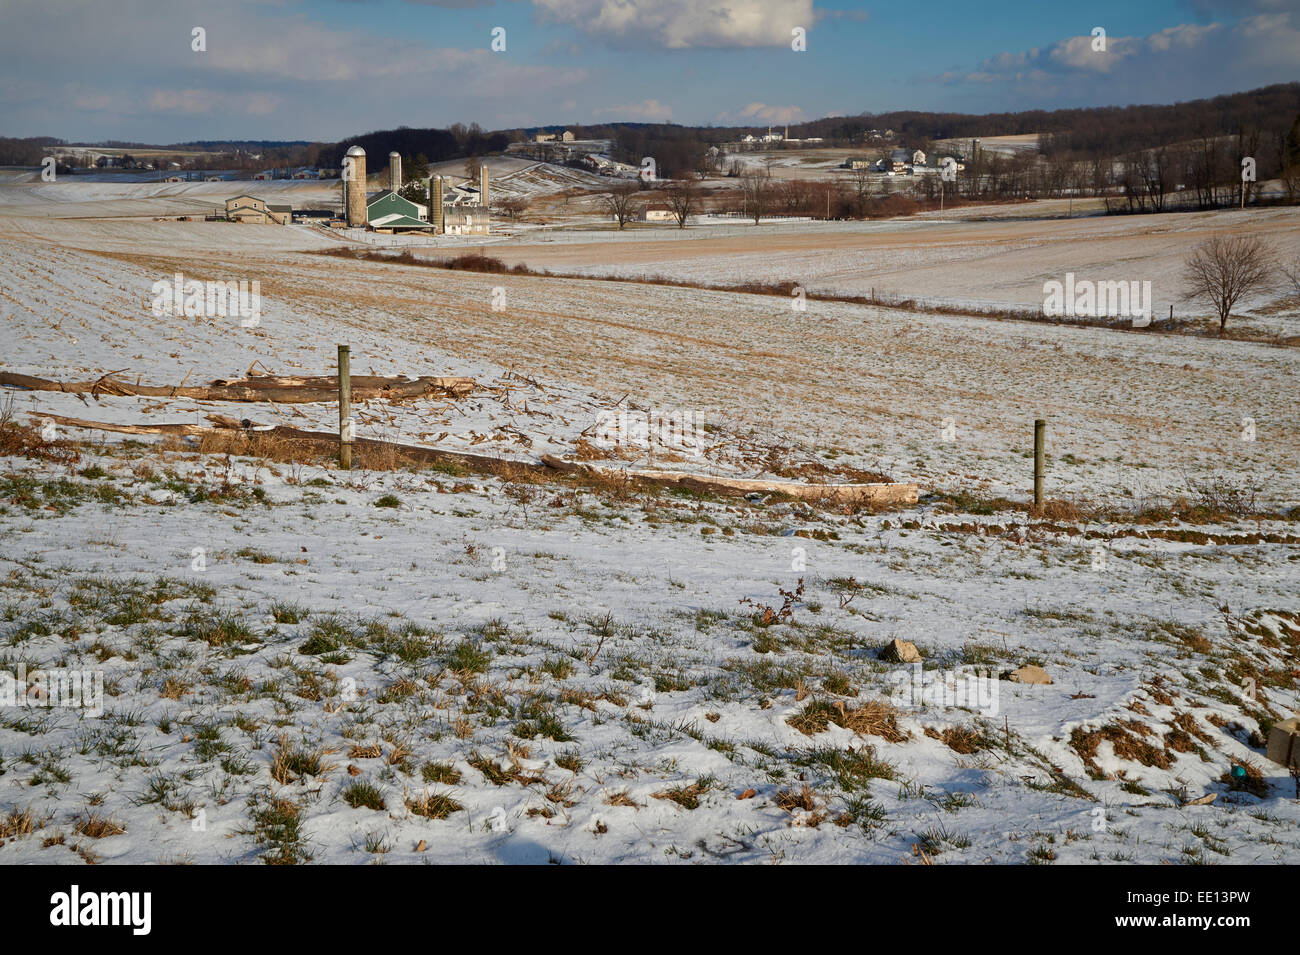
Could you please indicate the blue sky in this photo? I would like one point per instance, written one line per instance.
(324, 69)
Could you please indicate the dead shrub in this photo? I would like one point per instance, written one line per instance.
(23, 441)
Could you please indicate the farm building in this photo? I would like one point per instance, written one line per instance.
(457, 209)
(390, 213)
(467, 220)
(246, 208)
(657, 212)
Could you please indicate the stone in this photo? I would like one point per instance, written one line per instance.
(900, 651)
(1284, 743)
(1029, 674)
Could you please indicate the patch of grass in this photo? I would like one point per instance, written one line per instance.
(278, 830)
(363, 795)
(688, 795)
(853, 768)
(443, 773)
(434, 805)
(874, 718)
(468, 655)
(217, 629)
(327, 636)
(19, 822)
(286, 612)
(291, 762)
(95, 826)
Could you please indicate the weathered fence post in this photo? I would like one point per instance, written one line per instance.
(1040, 431)
(345, 408)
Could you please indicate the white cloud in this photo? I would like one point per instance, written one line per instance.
(775, 115)
(1253, 51)
(684, 24)
(649, 111)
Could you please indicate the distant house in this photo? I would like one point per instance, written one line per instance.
(173, 179)
(859, 164)
(564, 137)
(306, 173)
(657, 212)
(918, 158)
(246, 208)
(265, 174)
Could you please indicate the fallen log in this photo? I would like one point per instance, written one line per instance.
(181, 429)
(882, 493)
(282, 389)
(326, 444)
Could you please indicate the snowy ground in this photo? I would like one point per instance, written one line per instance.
(410, 666)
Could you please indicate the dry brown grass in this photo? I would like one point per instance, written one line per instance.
(174, 689)
(792, 799)
(95, 826)
(874, 718)
(22, 441)
(960, 739)
(19, 822)
(434, 805)
(1126, 739)
(621, 798)
(290, 762)
(263, 444)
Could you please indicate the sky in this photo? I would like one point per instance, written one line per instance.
(95, 70)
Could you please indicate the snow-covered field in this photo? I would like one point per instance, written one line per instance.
(426, 665)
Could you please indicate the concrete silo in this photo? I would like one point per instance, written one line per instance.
(354, 187)
(394, 172)
(435, 204)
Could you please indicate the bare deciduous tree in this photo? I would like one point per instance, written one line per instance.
(683, 196)
(1292, 275)
(756, 190)
(621, 202)
(1225, 268)
(513, 207)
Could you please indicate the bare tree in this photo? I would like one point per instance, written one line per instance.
(621, 202)
(756, 189)
(1292, 275)
(514, 206)
(1225, 268)
(683, 196)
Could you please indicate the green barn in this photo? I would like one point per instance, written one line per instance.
(389, 212)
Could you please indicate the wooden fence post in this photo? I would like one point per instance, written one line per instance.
(1040, 431)
(345, 408)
